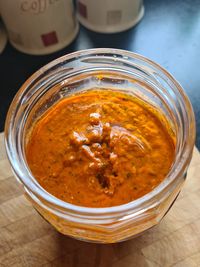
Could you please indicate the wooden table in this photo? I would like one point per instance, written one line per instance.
(28, 240)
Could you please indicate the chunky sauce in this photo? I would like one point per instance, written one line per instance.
(100, 149)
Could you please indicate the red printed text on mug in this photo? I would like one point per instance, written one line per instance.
(82, 8)
(49, 38)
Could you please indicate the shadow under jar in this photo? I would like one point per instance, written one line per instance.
(101, 69)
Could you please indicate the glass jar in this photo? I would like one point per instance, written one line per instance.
(101, 68)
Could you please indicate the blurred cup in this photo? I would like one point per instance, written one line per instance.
(109, 16)
(39, 26)
(3, 36)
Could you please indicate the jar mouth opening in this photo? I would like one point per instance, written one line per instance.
(19, 165)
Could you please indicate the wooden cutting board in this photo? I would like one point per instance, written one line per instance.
(28, 240)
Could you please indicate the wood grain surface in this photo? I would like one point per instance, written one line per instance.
(28, 240)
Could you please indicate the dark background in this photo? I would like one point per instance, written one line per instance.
(169, 34)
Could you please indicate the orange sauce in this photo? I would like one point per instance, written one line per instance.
(100, 148)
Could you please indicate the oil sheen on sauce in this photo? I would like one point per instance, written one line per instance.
(100, 148)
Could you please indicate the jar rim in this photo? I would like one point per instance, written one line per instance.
(38, 191)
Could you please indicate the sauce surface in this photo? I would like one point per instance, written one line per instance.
(100, 148)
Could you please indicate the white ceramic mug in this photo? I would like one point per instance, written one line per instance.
(39, 26)
(109, 16)
(3, 37)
